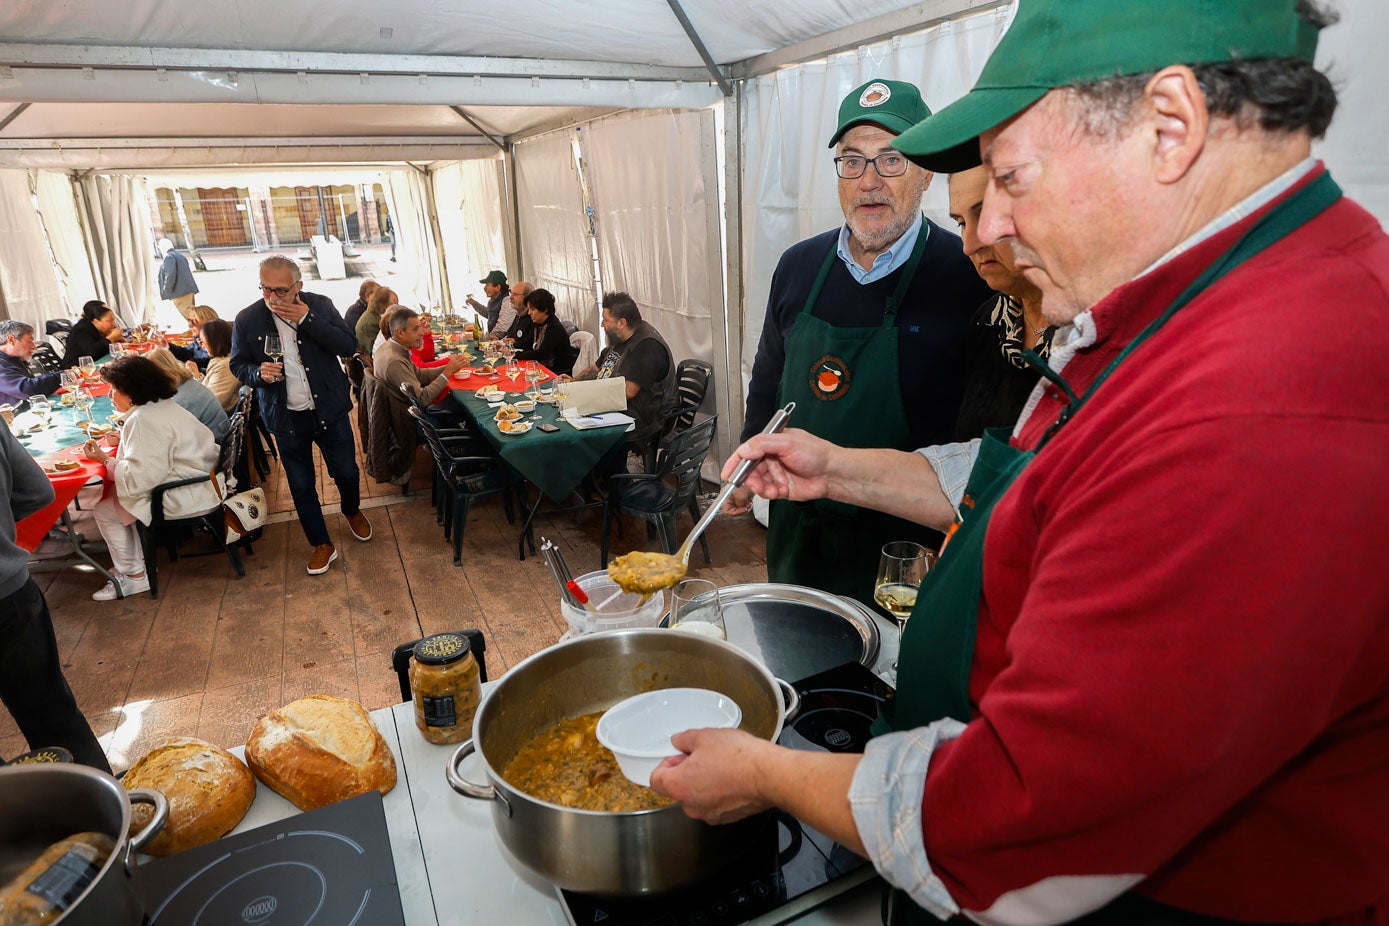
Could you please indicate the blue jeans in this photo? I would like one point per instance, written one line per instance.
(339, 449)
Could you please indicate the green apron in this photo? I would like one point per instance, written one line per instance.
(938, 643)
(845, 384)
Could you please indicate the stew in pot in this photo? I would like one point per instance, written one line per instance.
(566, 765)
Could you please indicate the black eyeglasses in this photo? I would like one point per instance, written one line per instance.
(281, 291)
(852, 166)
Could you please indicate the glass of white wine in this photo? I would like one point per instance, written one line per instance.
(695, 608)
(901, 568)
(273, 349)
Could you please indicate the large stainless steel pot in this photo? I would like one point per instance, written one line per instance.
(638, 852)
(41, 804)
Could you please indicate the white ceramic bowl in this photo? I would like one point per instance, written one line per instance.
(638, 730)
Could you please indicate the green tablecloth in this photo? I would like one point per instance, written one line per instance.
(555, 462)
(60, 433)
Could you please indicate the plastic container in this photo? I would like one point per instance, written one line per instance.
(616, 609)
(638, 730)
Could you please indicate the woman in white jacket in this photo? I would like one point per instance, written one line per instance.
(159, 442)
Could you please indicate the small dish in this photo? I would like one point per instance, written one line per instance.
(638, 730)
(525, 405)
(487, 392)
(514, 427)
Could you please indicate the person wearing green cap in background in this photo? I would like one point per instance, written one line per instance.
(865, 330)
(1128, 695)
(494, 285)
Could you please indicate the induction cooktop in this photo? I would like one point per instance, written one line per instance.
(327, 867)
(791, 868)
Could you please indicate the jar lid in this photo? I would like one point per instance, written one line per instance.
(50, 754)
(441, 649)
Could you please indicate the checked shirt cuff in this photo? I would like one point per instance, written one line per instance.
(952, 463)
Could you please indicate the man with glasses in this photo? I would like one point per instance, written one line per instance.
(865, 329)
(304, 397)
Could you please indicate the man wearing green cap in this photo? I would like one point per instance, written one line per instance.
(494, 285)
(864, 331)
(1125, 697)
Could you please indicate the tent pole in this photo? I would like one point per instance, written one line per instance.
(514, 197)
(698, 43)
(445, 295)
(734, 309)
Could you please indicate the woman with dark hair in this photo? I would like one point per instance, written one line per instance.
(545, 341)
(160, 442)
(215, 337)
(93, 334)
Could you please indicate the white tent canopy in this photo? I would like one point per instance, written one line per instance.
(692, 129)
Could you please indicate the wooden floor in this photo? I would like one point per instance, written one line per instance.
(214, 653)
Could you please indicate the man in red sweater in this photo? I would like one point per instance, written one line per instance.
(1129, 692)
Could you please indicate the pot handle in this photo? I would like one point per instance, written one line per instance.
(467, 788)
(151, 829)
(793, 700)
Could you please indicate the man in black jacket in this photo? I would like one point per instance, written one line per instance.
(304, 397)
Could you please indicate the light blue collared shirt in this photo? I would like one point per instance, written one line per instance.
(885, 262)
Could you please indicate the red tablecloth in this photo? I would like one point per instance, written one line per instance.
(30, 531)
(499, 379)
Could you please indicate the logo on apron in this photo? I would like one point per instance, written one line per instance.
(829, 378)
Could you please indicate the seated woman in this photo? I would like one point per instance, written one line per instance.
(191, 394)
(93, 334)
(198, 316)
(369, 325)
(545, 341)
(160, 442)
(215, 338)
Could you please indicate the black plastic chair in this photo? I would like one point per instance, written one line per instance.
(170, 532)
(45, 360)
(400, 659)
(466, 478)
(691, 386)
(649, 496)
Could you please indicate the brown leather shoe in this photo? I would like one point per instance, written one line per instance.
(361, 527)
(323, 556)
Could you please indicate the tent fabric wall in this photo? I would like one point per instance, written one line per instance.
(1356, 148)
(657, 218)
(789, 185)
(420, 274)
(555, 243)
(468, 201)
(116, 214)
(29, 291)
(58, 211)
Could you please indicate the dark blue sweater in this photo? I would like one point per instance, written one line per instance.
(323, 338)
(933, 327)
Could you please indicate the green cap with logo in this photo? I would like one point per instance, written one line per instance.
(496, 278)
(1054, 43)
(892, 104)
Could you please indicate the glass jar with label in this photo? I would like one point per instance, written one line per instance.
(446, 686)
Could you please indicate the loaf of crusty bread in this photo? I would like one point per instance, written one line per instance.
(208, 789)
(320, 750)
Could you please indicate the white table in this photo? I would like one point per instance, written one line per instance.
(450, 863)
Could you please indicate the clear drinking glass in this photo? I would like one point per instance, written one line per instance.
(42, 409)
(273, 348)
(88, 367)
(695, 608)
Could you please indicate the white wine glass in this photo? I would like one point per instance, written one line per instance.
(274, 349)
(695, 608)
(901, 568)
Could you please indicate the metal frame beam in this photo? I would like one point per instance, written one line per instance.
(710, 65)
(914, 18)
(30, 54)
(13, 115)
(493, 137)
(260, 141)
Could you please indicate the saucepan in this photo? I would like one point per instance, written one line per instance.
(627, 853)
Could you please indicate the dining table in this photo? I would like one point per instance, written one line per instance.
(554, 461)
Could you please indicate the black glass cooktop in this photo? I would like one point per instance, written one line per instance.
(791, 868)
(327, 866)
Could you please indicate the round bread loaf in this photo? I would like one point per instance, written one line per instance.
(320, 750)
(208, 789)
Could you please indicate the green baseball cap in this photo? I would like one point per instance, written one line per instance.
(892, 104)
(496, 278)
(1054, 43)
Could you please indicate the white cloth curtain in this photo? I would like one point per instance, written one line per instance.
(555, 244)
(58, 211)
(29, 290)
(468, 201)
(418, 276)
(789, 186)
(654, 185)
(119, 244)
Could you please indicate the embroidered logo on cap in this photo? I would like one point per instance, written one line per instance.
(875, 94)
(829, 378)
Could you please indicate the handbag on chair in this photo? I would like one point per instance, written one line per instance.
(244, 514)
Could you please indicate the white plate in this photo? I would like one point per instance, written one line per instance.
(638, 730)
(525, 405)
(517, 427)
(487, 395)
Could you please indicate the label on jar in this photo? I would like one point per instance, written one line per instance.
(438, 712)
(65, 880)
